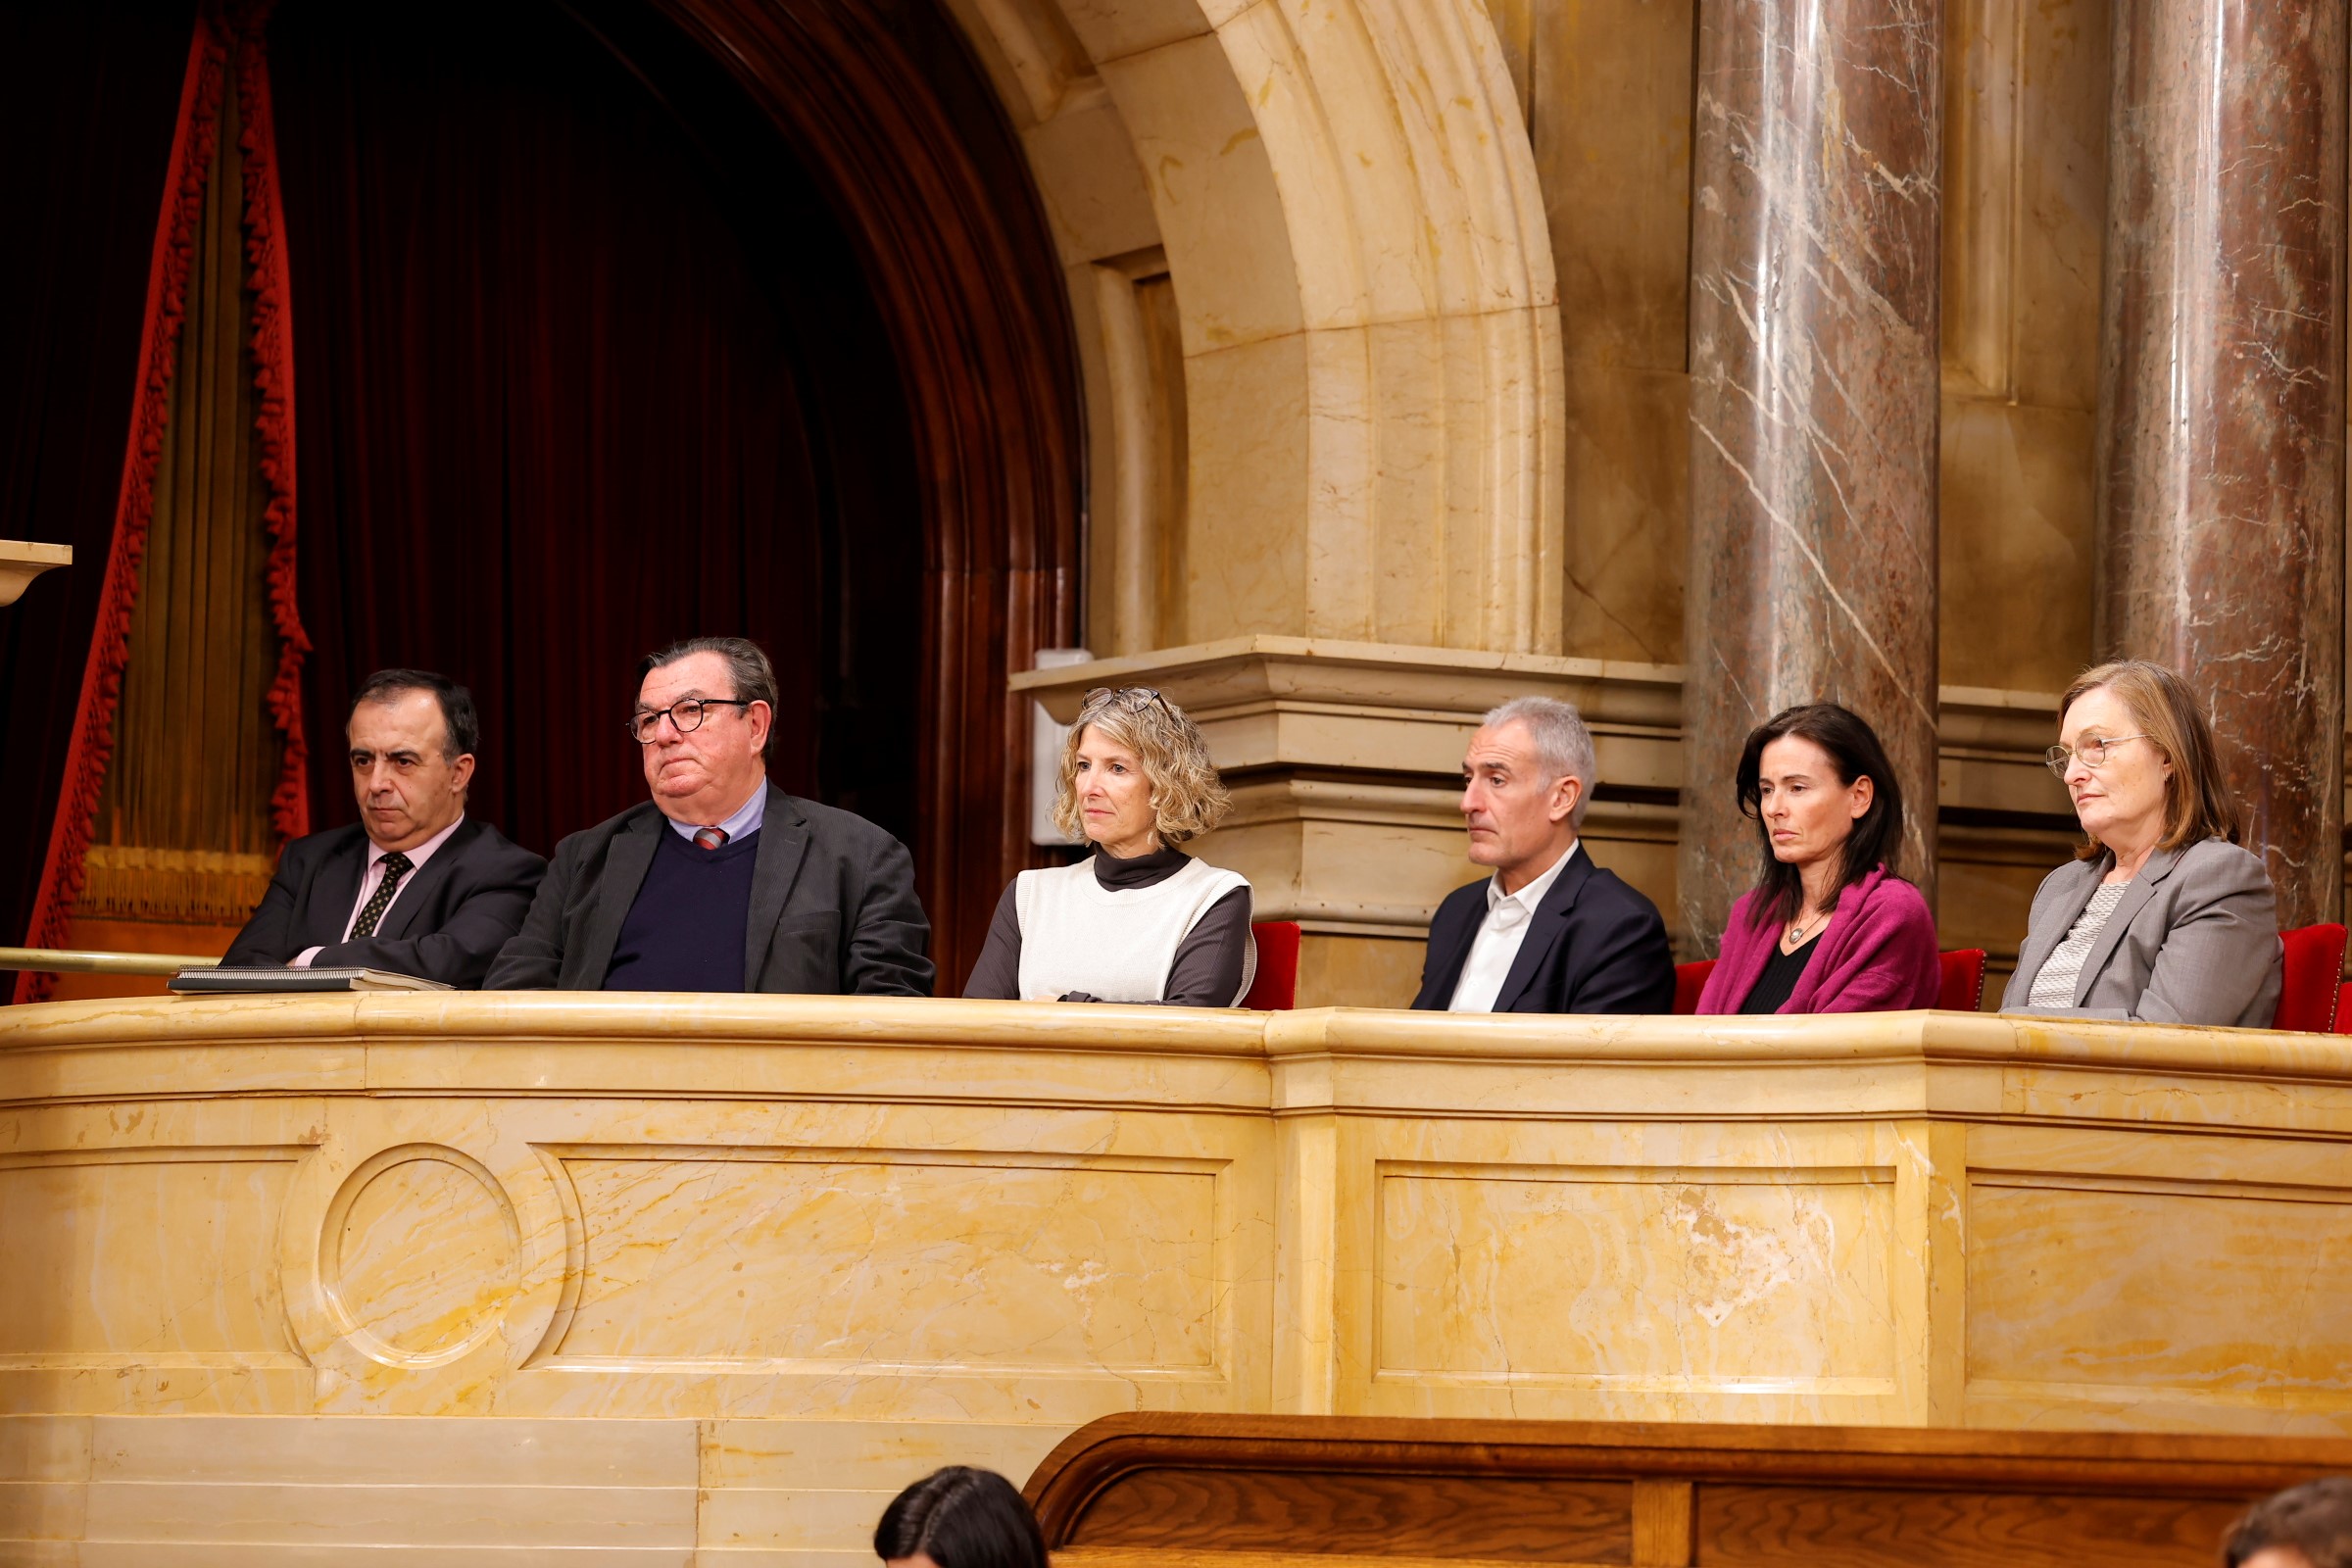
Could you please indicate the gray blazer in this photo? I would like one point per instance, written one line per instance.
(833, 907)
(2194, 940)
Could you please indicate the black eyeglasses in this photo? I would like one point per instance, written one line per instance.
(1131, 699)
(686, 714)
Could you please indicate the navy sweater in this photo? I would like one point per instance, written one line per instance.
(685, 931)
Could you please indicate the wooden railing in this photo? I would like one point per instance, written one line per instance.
(91, 961)
(1315, 1492)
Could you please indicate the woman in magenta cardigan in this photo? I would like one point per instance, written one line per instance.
(1829, 926)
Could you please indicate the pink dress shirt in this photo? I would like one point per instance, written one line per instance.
(372, 878)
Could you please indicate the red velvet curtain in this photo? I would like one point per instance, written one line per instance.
(548, 409)
(89, 97)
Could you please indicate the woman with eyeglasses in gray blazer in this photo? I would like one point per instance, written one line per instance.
(2163, 916)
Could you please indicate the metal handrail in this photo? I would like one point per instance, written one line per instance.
(86, 961)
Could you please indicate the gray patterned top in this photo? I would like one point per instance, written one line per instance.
(2062, 972)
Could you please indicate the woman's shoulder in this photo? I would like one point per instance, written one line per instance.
(2228, 868)
(1899, 897)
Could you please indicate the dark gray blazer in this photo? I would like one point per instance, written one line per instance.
(833, 907)
(447, 923)
(2194, 940)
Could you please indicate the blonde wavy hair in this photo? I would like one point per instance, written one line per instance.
(1188, 799)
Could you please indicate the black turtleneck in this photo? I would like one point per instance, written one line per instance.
(1207, 969)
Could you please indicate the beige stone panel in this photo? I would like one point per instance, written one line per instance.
(844, 1260)
(2098, 1287)
(1628, 498)
(249, 1554)
(2016, 544)
(180, 1238)
(419, 1451)
(1410, 467)
(1090, 181)
(265, 1514)
(2061, 201)
(1213, 194)
(1252, 427)
(1494, 1275)
(1613, 150)
(1337, 970)
(862, 1455)
(1764, 1259)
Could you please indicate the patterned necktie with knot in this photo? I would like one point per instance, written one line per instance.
(396, 865)
(709, 838)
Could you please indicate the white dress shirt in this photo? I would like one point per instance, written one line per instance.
(372, 878)
(1497, 945)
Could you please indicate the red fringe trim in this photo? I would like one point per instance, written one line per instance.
(273, 379)
(92, 744)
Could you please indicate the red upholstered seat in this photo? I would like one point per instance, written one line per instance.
(2312, 978)
(1963, 980)
(2343, 1009)
(1276, 988)
(1690, 979)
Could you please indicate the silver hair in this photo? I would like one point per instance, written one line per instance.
(1563, 745)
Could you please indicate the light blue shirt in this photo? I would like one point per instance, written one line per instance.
(746, 821)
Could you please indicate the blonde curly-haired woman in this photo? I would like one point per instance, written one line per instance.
(1137, 920)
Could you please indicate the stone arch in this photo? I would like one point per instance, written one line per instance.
(1342, 199)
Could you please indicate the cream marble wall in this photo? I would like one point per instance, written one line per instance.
(671, 1279)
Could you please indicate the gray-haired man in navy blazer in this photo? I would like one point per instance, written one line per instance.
(721, 881)
(1549, 931)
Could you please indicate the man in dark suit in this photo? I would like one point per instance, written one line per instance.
(415, 886)
(1549, 931)
(721, 881)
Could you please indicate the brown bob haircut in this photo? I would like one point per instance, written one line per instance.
(2196, 798)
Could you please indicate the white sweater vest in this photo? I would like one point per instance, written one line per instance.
(1113, 943)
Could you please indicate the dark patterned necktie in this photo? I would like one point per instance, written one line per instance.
(709, 838)
(396, 865)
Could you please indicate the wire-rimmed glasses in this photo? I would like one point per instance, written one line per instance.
(2092, 752)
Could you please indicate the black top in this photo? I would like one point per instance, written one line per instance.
(1778, 982)
(685, 930)
(1205, 973)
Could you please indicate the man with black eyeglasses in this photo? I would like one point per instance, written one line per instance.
(721, 881)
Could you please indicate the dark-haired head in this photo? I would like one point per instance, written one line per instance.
(2309, 1526)
(962, 1518)
(463, 729)
(1835, 740)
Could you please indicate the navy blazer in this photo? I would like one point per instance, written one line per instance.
(447, 923)
(833, 907)
(1594, 945)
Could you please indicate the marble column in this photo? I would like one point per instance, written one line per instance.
(2220, 399)
(1816, 226)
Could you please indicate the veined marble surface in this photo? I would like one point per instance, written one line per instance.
(790, 1252)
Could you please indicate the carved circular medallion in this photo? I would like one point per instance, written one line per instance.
(421, 1255)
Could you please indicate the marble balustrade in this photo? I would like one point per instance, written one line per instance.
(673, 1275)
